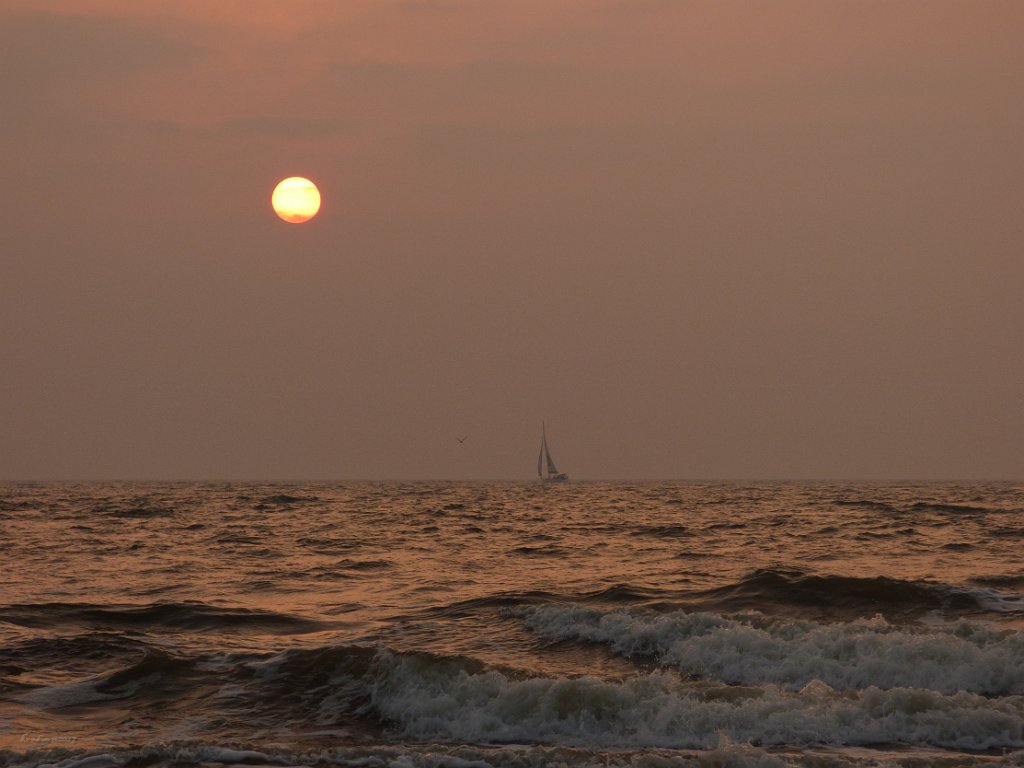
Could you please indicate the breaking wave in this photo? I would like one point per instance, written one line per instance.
(426, 700)
(756, 650)
(425, 697)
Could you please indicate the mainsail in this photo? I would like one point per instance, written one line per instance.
(553, 475)
(552, 469)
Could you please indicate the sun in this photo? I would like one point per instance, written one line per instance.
(296, 199)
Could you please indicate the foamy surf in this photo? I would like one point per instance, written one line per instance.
(758, 650)
(426, 701)
(428, 755)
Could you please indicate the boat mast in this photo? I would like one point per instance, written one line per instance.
(543, 448)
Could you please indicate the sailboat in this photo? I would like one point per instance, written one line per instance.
(544, 462)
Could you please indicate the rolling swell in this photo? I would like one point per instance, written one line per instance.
(300, 688)
(157, 676)
(294, 689)
(831, 596)
(193, 616)
(47, 660)
(625, 594)
(500, 602)
(970, 509)
(1008, 581)
(542, 551)
(789, 592)
(880, 506)
(663, 531)
(130, 512)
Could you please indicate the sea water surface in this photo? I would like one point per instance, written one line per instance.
(504, 624)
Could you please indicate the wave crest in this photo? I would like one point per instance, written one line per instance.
(754, 650)
(659, 710)
(841, 596)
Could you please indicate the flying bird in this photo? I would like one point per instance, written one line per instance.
(461, 440)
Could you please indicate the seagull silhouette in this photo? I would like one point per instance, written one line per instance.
(461, 440)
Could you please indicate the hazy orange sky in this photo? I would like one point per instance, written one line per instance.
(700, 239)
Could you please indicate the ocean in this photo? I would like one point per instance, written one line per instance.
(510, 625)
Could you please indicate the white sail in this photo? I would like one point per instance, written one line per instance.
(553, 475)
(552, 469)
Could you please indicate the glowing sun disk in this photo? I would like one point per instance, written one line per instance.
(296, 199)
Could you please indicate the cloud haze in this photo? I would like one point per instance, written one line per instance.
(700, 239)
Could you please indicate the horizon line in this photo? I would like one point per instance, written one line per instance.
(362, 480)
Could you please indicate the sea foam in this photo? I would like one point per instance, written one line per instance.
(424, 700)
(755, 650)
